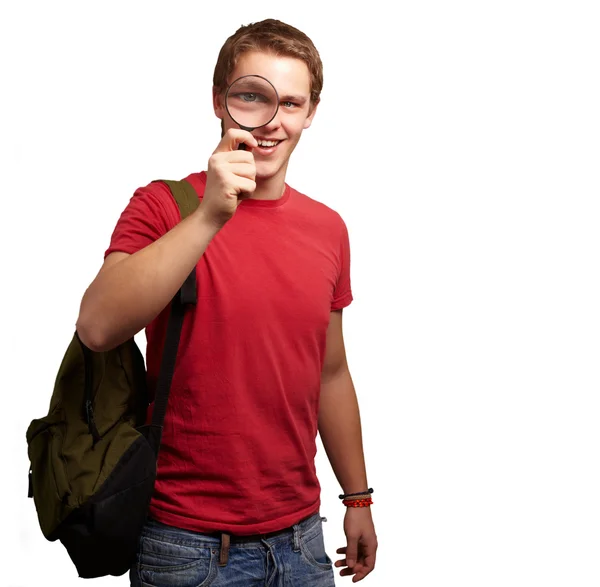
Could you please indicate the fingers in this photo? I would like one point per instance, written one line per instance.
(233, 138)
(242, 170)
(247, 187)
(364, 561)
(237, 162)
(351, 550)
(365, 568)
(235, 156)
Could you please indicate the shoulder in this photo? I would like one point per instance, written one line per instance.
(156, 200)
(318, 211)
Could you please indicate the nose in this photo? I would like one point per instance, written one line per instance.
(274, 124)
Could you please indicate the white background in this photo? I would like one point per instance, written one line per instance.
(460, 142)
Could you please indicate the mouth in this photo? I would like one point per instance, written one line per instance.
(267, 147)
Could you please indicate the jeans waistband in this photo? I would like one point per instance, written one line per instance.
(194, 538)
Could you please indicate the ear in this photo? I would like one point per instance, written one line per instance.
(313, 110)
(218, 104)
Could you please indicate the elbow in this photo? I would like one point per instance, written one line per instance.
(90, 335)
(88, 339)
(94, 331)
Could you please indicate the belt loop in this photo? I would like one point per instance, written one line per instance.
(224, 553)
(296, 529)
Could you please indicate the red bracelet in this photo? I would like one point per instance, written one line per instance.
(358, 503)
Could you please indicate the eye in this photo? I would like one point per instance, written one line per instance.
(288, 104)
(248, 97)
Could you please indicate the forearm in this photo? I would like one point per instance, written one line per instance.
(128, 295)
(340, 431)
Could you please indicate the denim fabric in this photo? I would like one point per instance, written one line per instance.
(171, 557)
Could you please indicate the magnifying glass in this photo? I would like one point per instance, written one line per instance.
(251, 101)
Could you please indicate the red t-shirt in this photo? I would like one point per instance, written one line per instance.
(239, 438)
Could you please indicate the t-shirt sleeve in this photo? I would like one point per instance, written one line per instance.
(150, 214)
(342, 294)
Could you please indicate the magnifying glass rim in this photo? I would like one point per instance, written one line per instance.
(251, 128)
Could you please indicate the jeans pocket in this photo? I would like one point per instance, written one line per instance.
(168, 564)
(312, 547)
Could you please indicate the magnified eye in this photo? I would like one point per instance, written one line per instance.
(251, 101)
(250, 97)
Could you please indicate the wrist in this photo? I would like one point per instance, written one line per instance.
(358, 503)
(357, 494)
(358, 499)
(206, 222)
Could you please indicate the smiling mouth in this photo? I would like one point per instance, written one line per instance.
(264, 144)
(266, 148)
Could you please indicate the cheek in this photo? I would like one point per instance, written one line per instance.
(294, 128)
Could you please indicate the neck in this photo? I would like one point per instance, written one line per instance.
(270, 188)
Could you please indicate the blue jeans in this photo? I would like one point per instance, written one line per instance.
(294, 557)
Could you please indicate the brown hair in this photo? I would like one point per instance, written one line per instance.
(275, 37)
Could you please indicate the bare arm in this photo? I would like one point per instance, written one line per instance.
(131, 290)
(339, 417)
(340, 430)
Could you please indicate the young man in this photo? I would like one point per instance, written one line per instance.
(261, 365)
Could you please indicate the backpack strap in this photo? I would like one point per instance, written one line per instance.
(184, 194)
(187, 201)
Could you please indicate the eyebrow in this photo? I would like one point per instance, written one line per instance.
(289, 98)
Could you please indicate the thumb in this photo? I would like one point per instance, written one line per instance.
(233, 138)
(351, 551)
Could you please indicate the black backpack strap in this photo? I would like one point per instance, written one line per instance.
(187, 201)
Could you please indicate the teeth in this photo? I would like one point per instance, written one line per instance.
(267, 143)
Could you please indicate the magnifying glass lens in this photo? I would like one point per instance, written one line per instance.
(252, 102)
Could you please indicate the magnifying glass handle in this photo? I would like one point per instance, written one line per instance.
(242, 195)
(242, 146)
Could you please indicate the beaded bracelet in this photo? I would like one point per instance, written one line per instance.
(345, 495)
(358, 503)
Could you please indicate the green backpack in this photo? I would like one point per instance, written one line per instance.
(93, 458)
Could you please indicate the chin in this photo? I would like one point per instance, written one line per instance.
(267, 172)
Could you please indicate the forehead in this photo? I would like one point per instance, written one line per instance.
(289, 75)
